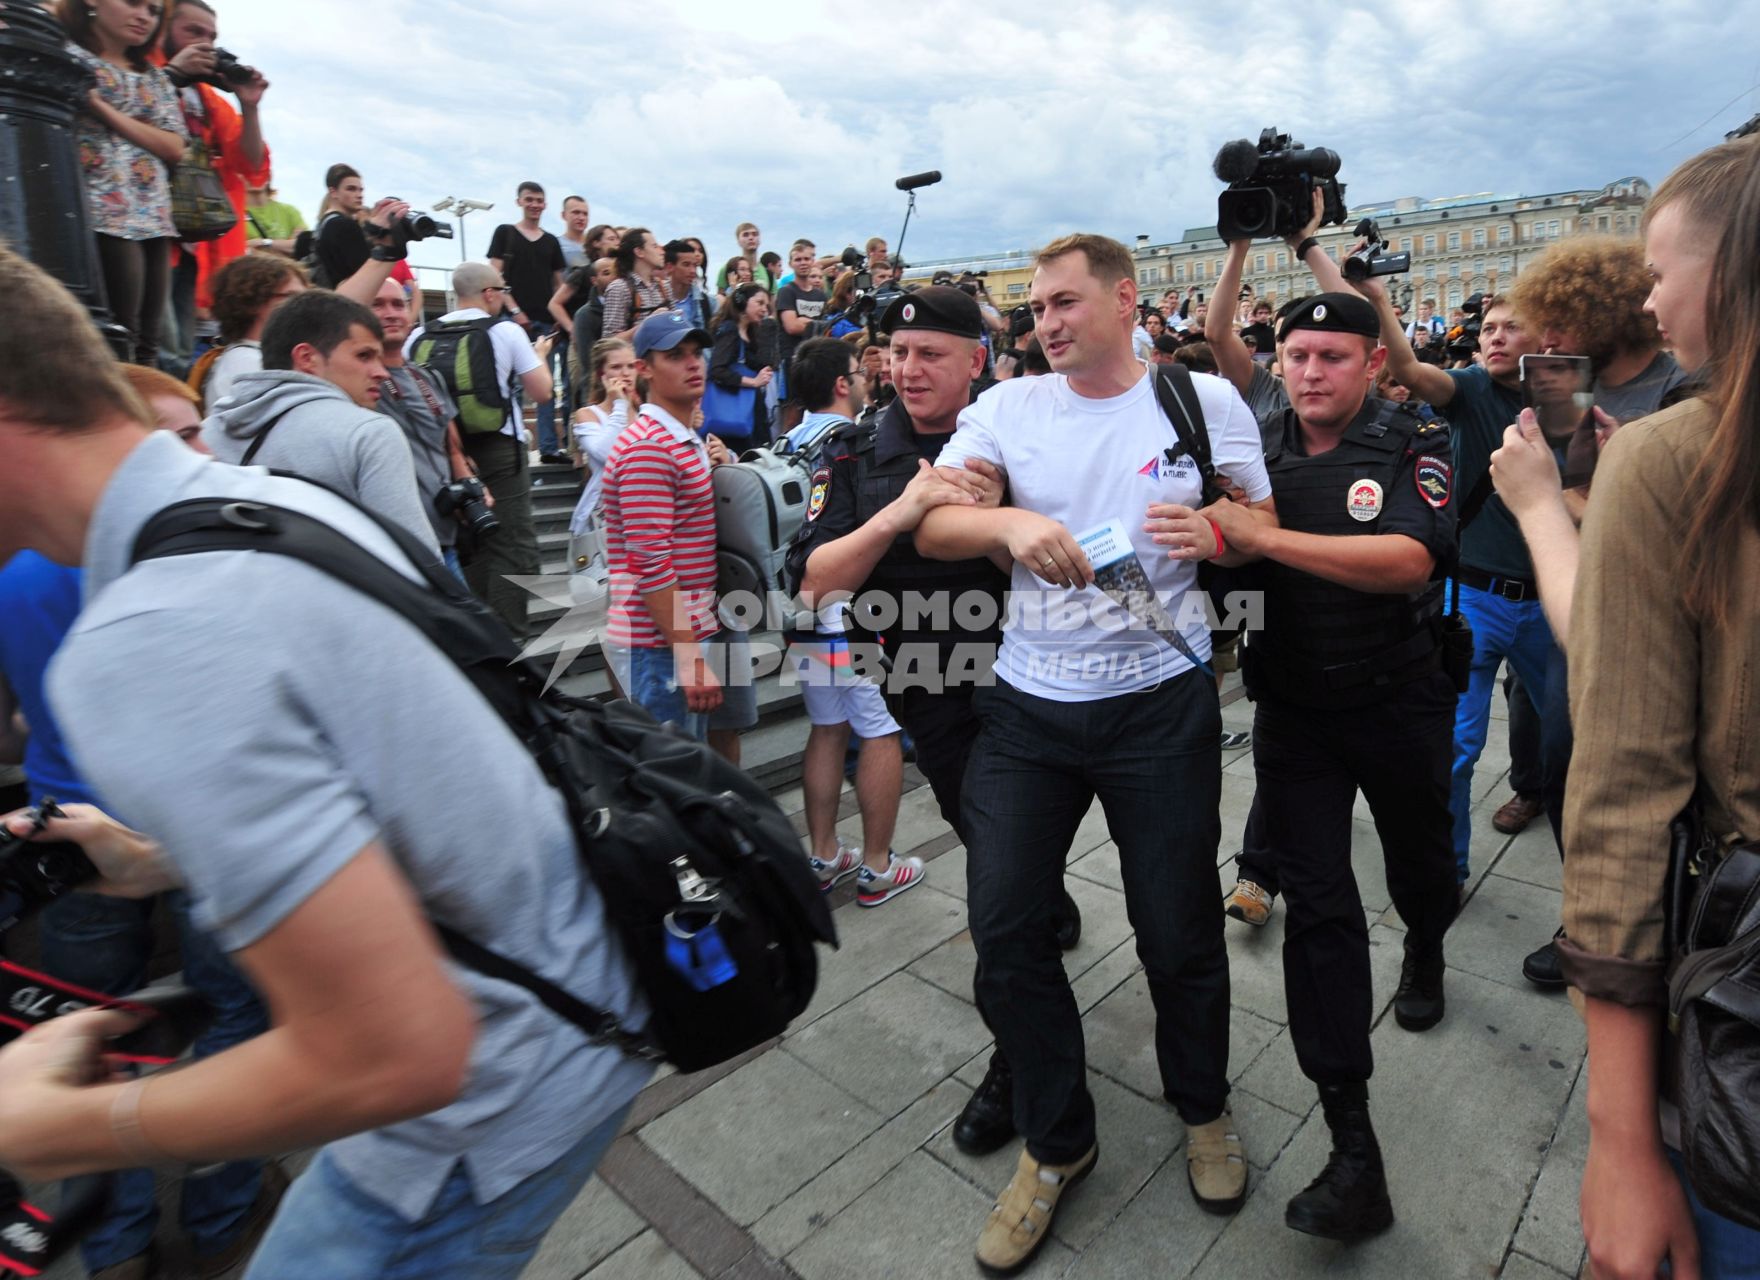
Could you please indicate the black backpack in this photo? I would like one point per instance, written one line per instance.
(703, 876)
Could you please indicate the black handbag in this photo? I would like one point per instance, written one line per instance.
(1713, 925)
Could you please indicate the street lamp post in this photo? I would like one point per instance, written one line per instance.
(43, 194)
(462, 207)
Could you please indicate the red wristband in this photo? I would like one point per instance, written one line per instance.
(1221, 546)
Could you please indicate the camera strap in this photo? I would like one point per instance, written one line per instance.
(262, 435)
(29, 999)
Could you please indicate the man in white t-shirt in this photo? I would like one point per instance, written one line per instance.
(1093, 699)
(500, 456)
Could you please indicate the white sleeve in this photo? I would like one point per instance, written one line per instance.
(596, 438)
(525, 359)
(976, 436)
(1235, 444)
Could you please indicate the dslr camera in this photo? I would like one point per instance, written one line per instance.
(229, 74)
(1372, 259)
(33, 873)
(416, 225)
(1271, 187)
(463, 501)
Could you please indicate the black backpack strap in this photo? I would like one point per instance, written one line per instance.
(442, 611)
(262, 435)
(598, 1024)
(1179, 402)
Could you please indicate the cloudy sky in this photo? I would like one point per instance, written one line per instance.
(1045, 116)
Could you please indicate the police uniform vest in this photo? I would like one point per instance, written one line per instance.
(886, 461)
(1324, 644)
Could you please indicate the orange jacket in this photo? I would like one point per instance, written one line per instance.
(224, 130)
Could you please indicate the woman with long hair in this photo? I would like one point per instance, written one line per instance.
(738, 363)
(131, 135)
(612, 398)
(1665, 697)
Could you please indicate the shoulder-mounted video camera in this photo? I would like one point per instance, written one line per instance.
(1271, 187)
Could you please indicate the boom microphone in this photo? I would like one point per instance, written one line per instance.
(916, 180)
(1236, 161)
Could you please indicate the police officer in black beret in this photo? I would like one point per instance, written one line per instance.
(871, 488)
(1347, 674)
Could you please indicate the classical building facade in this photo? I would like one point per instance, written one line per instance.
(1459, 246)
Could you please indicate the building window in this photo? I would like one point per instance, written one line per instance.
(1454, 295)
(1478, 237)
(1179, 273)
(1282, 259)
(1430, 271)
(1258, 262)
(1503, 234)
(1552, 228)
(1429, 244)
(1454, 241)
(1478, 266)
(1015, 290)
(1505, 264)
(1216, 268)
(1197, 270)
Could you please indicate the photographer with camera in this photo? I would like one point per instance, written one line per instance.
(204, 75)
(487, 362)
(311, 408)
(338, 814)
(416, 399)
(352, 239)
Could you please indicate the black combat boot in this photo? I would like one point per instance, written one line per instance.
(1348, 1201)
(987, 1120)
(1418, 1003)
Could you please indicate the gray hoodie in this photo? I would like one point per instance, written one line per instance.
(321, 434)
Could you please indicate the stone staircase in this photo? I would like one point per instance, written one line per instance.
(771, 752)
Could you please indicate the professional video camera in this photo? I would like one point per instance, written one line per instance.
(1463, 339)
(1271, 187)
(851, 257)
(969, 282)
(463, 501)
(229, 73)
(1370, 260)
(33, 873)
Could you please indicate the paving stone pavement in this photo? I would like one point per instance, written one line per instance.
(828, 1155)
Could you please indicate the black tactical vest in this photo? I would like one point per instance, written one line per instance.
(1323, 643)
(902, 571)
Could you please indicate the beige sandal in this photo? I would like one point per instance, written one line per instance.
(1021, 1221)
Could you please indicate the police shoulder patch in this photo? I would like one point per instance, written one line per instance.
(1435, 480)
(821, 490)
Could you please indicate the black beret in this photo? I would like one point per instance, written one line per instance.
(939, 308)
(1333, 313)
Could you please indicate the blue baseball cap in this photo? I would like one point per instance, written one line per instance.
(664, 330)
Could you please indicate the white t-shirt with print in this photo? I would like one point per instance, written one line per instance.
(1084, 462)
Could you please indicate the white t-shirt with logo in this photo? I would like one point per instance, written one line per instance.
(1084, 463)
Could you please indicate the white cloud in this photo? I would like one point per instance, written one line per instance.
(689, 116)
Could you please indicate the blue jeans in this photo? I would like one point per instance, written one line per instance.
(1035, 769)
(653, 686)
(105, 944)
(547, 442)
(1513, 629)
(329, 1227)
(1727, 1250)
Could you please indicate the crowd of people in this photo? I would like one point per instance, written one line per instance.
(1082, 483)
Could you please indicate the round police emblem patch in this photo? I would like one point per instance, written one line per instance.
(821, 490)
(1434, 479)
(1319, 311)
(910, 312)
(1364, 500)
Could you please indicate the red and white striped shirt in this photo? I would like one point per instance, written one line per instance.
(658, 508)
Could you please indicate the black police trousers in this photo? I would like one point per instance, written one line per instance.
(1310, 765)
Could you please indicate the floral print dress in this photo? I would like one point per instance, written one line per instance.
(128, 190)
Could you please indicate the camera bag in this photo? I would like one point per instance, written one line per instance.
(702, 875)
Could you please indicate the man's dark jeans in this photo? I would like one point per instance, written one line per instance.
(1038, 764)
(105, 944)
(513, 548)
